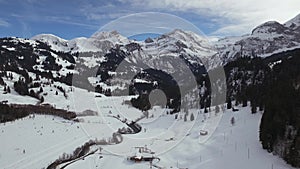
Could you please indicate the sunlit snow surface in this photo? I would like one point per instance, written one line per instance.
(45, 138)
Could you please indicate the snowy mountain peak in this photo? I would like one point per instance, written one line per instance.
(187, 39)
(99, 42)
(112, 36)
(43, 37)
(177, 31)
(105, 35)
(185, 35)
(55, 42)
(269, 27)
(266, 39)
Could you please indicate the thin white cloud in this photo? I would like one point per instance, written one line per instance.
(148, 22)
(235, 29)
(104, 12)
(58, 19)
(70, 21)
(239, 17)
(4, 23)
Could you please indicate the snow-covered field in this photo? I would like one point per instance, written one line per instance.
(35, 142)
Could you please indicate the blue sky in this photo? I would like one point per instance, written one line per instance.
(74, 18)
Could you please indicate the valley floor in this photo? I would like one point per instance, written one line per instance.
(35, 142)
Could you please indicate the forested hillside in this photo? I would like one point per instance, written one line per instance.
(271, 85)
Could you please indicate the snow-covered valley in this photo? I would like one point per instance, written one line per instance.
(35, 142)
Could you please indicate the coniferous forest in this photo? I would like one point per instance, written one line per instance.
(271, 86)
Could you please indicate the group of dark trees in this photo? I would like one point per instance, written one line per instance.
(24, 59)
(246, 82)
(280, 125)
(163, 82)
(106, 92)
(21, 87)
(14, 112)
(271, 85)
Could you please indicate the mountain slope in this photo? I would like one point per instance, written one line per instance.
(96, 61)
(294, 23)
(99, 42)
(266, 39)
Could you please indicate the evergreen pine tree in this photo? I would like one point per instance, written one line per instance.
(244, 102)
(192, 118)
(42, 99)
(229, 104)
(253, 107)
(205, 110)
(41, 90)
(185, 117)
(232, 121)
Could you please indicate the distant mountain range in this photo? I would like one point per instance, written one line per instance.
(97, 58)
(266, 39)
